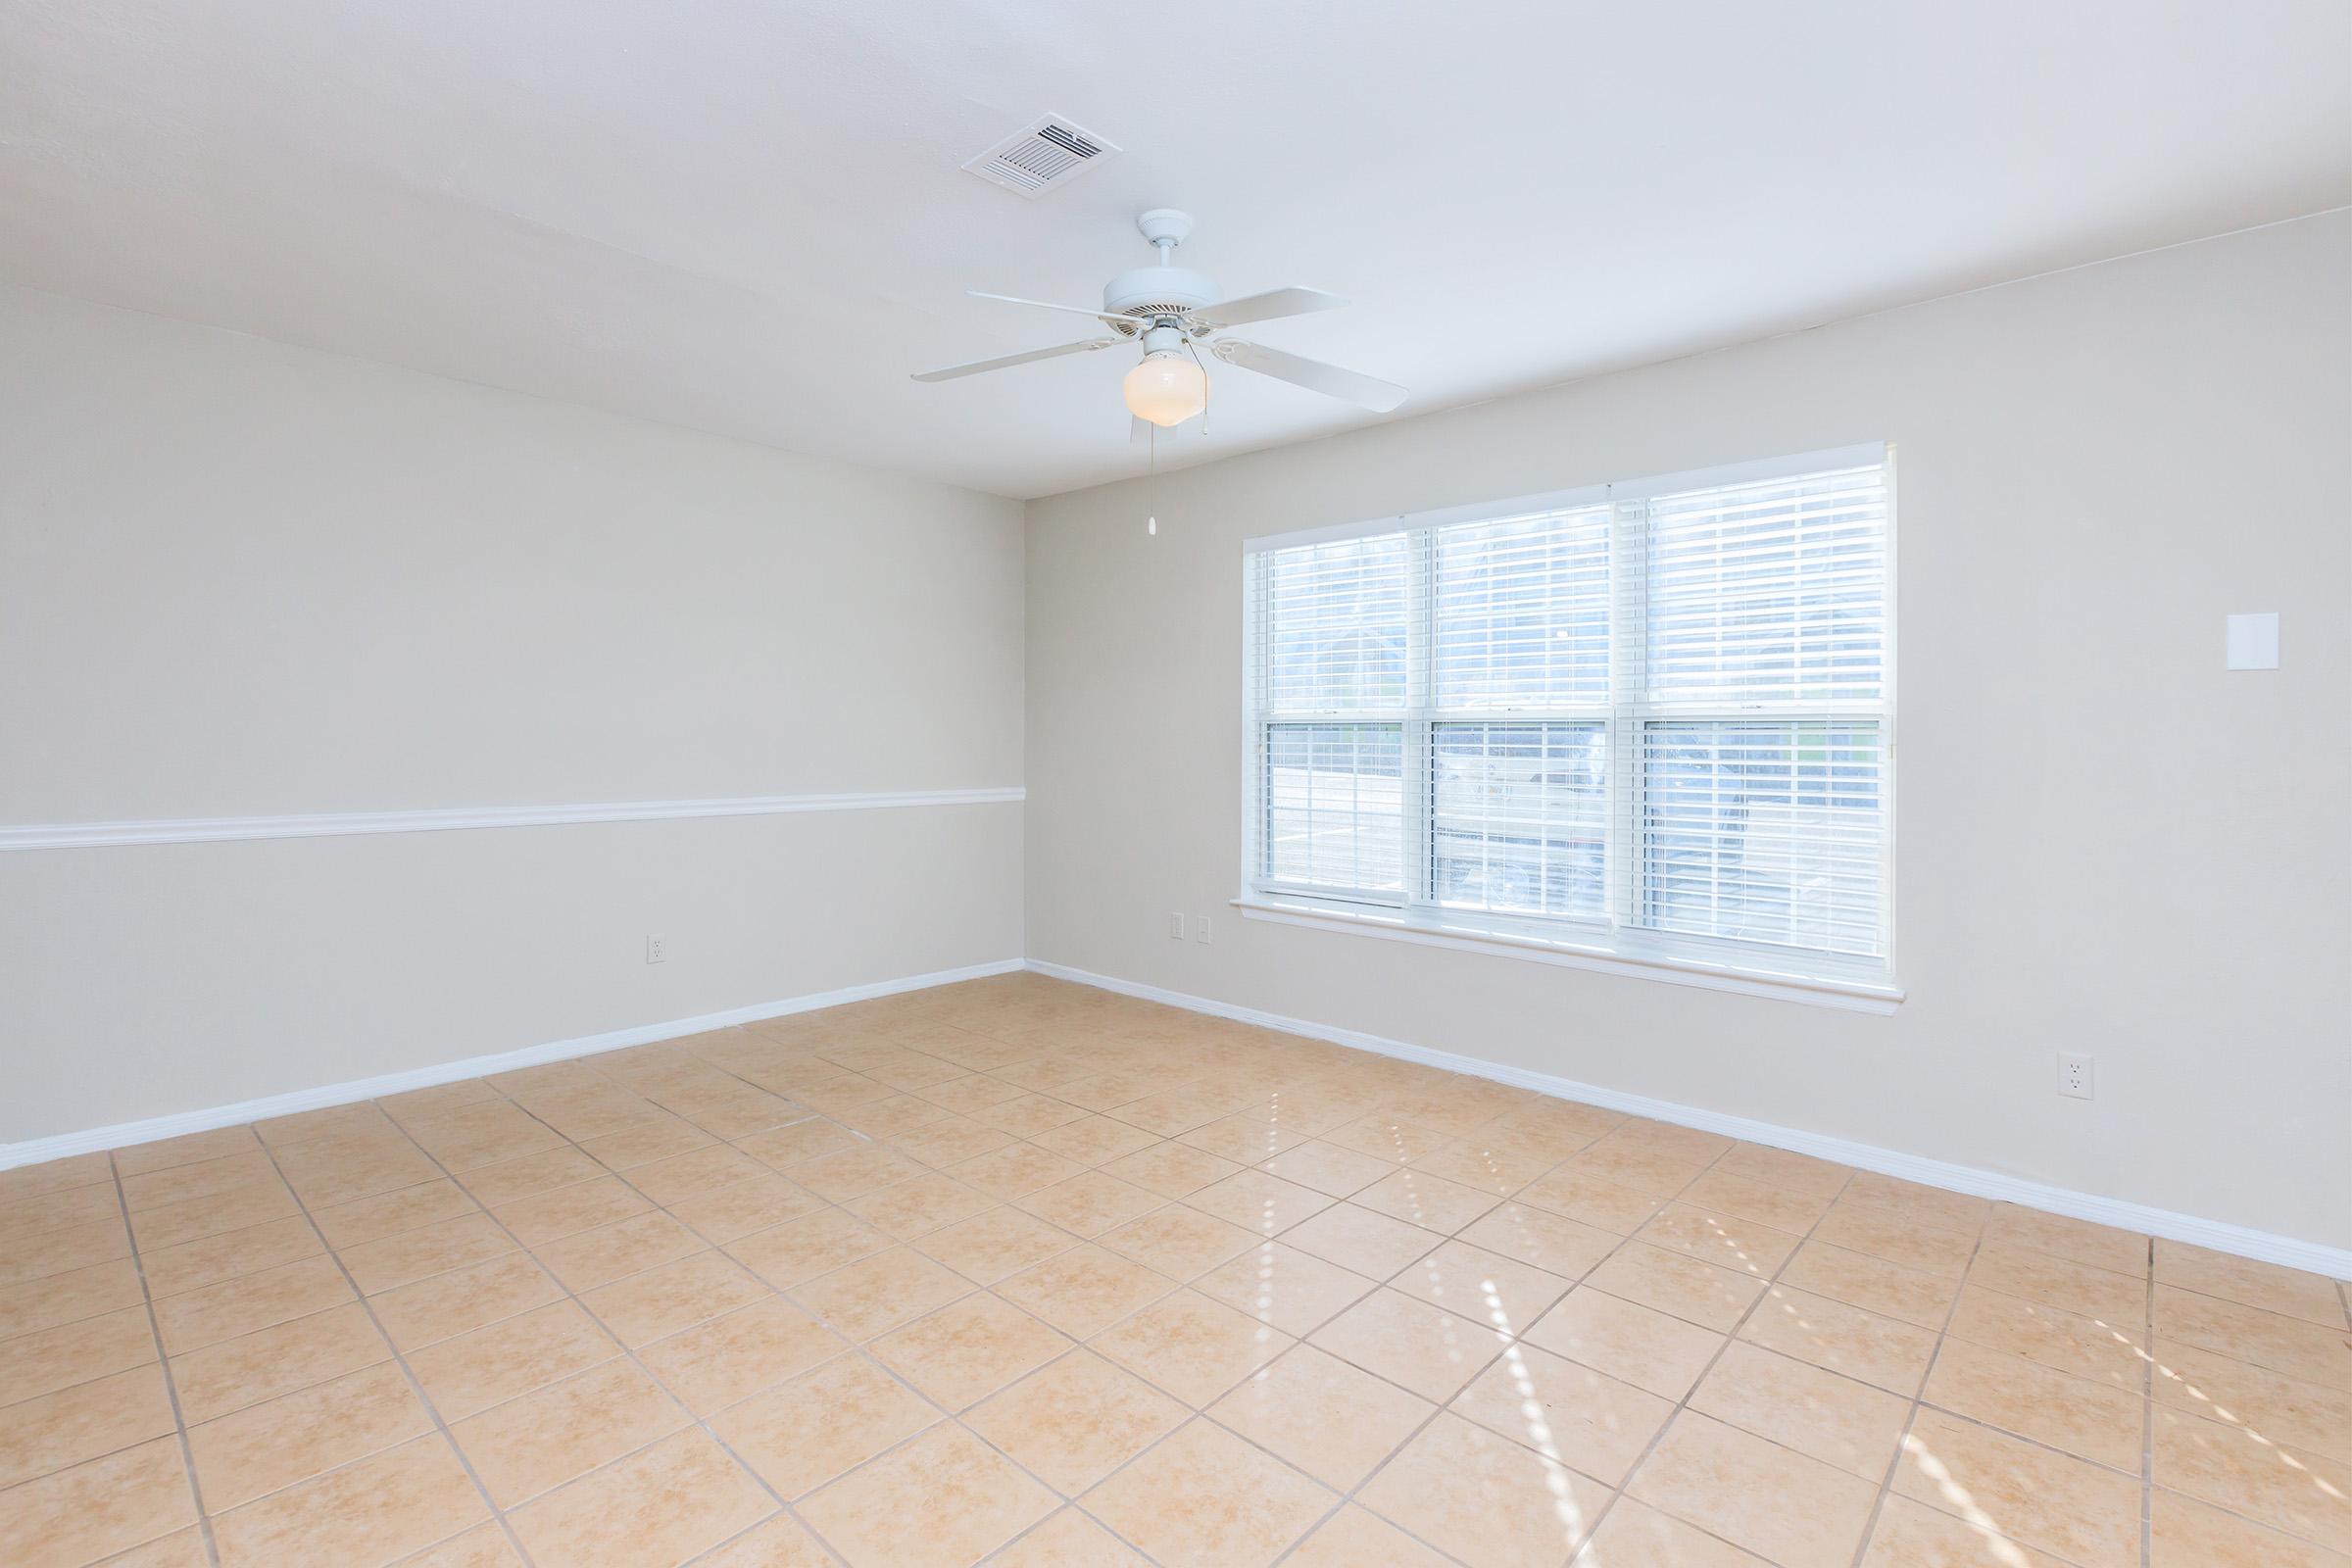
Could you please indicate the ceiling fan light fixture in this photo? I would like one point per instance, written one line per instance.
(1168, 388)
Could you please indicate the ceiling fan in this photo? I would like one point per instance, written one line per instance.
(1168, 309)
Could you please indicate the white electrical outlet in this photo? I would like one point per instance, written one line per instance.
(657, 949)
(2074, 1074)
(1200, 926)
(1176, 927)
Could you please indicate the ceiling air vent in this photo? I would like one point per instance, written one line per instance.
(1041, 156)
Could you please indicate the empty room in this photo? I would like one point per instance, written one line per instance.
(823, 785)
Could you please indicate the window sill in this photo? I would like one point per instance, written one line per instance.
(1853, 996)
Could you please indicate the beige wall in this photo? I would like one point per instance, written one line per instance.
(2104, 840)
(242, 579)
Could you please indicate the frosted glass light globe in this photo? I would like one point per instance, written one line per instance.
(1168, 388)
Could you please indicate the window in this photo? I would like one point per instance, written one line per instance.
(1646, 723)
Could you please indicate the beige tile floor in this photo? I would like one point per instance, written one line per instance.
(1023, 1273)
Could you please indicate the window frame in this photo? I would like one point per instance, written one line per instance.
(1612, 942)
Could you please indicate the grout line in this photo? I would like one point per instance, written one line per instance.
(155, 1327)
(399, 1357)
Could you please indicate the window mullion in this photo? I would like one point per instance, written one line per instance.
(1628, 680)
(1420, 639)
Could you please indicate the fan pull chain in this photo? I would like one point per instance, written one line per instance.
(1152, 479)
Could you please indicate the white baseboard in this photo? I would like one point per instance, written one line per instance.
(35, 1151)
(2312, 1256)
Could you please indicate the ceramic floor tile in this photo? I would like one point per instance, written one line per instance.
(257, 1301)
(491, 1365)
(1634, 1534)
(35, 1364)
(1321, 1415)
(1095, 1141)
(2184, 1532)
(1068, 1540)
(1192, 1347)
(564, 1212)
(2090, 1420)
(267, 1446)
(449, 1304)
(1362, 1240)
(1494, 1290)
(1179, 1241)
(1329, 1169)
(1090, 1203)
(2268, 1286)
(942, 1502)
(730, 1213)
(1677, 1285)
(1774, 1502)
(731, 1357)
(1171, 1169)
(1258, 1201)
(452, 1243)
(821, 1425)
(1028, 1173)
(1784, 1208)
(2069, 1507)
(1872, 1284)
(801, 1249)
(552, 1435)
(1801, 1406)
(1899, 1238)
(85, 1421)
(1355, 1538)
(875, 1295)
(1630, 1342)
(2304, 1494)
(661, 1504)
(989, 1247)
(1885, 1352)
(672, 1298)
(1587, 1420)
(1912, 1535)
(106, 1505)
(368, 1219)
(1293, 1290)
(1016, 1170)
(968, 1349)
(1085, 1289)
(2284, 1344)
(273, 1361)
(1429, 1350)
(1541, 1239)
(1484, 1500)
(609, 1252)
(69, 1297)
(1203, 1499)
(377, 1511)
(2110, 1353)
(2277, 1408)
(1075, 1421)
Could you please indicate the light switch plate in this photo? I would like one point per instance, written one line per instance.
(2254, 641)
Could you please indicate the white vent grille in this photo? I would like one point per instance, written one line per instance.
(1041, 156)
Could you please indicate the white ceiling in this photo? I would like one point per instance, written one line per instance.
(749, 216)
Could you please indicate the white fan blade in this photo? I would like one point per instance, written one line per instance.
(978, 366)
(1313, 375)
(1070, 310)
(1264, 307)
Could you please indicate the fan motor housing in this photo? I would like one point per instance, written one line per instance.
(1148, 291)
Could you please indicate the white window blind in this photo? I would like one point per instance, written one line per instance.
(1649, 719)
